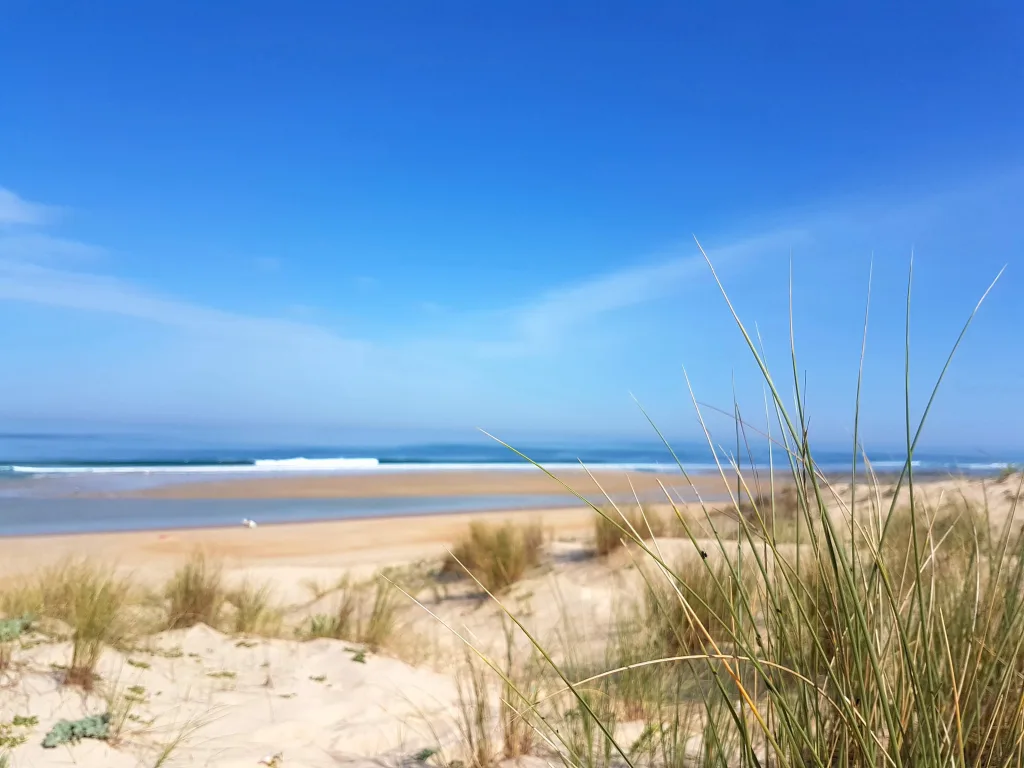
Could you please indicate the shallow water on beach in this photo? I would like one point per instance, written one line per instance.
(40, 516)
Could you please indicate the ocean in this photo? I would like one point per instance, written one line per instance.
(47, 478)
(50, 454)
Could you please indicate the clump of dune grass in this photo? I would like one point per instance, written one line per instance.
(882, 631)
(97, 619)
(254, 610)
(496, 555)
(92, 600)
(616, 524)
(365, 613)
(195, 594)
(612, 528)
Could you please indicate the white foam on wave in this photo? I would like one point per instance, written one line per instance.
(262, 465)
(274, 466)
(314, 465)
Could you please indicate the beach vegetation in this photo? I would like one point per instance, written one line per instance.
(67, 732)
(366, 613)
(195, 594)
(254, 610)
(615, 524)
(833, 624)
(475, 719)
(496, 556)
(1007, 472)
(123, 704)
(90, 601)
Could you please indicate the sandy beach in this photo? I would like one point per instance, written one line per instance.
(215, 696)
(364, 543)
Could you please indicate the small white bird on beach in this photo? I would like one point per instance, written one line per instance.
(249, 523)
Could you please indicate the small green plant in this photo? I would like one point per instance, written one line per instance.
(194, 594)
(11, 631)
(138, 664)
(223, 674)
(496, 555)
(122, 705)
(366, 614)
(72, 731)
(424, 754)
(359, 657)
(318, 678)
(322, 625)
(14, 733)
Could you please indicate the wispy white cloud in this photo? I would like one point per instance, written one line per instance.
(558, 311)
(32, 270)
(98, 293)
(38, 247)
(15, 210)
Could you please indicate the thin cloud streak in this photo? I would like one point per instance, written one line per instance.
(559, 310)
(38, 247)
(15, 210)
(28, 274)
(97, 293)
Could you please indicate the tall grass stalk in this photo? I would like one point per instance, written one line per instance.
(885, 632)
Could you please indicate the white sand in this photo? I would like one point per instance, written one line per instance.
(236, 701)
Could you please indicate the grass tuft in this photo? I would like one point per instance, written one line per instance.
(497, 555)
(195, 594)
(95, 608)
(366, 613)
(255, 613)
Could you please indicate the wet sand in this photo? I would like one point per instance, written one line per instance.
(435, 483)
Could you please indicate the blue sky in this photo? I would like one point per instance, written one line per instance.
(431, 217)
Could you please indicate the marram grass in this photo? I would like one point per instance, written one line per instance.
(874, 629)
